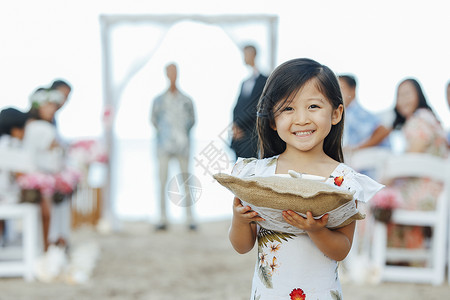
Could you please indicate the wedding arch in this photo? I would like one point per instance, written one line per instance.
(114, 82)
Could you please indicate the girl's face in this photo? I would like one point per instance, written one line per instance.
(305, 122)
(47, 111)
(407, 99)
(348, 93)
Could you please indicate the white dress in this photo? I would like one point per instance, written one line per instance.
(38, 138)
(290, 266)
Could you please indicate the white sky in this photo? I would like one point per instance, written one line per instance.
(381, 42)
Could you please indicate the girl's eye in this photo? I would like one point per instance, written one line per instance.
(288, 108)
(314, 106)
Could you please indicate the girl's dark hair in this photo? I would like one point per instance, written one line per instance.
(12, 118)
(59, 82)
(399, 119)
(283, 84)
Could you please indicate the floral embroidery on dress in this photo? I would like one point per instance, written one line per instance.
(256, 297)
(274, 247)
(264, 270)
(297, 294)
(272, 161)
(335, 295)
(248, 160)
(241, 164)
(338, 180)
(265, 236)
(269, 240)
(273, 265)
(336, 272)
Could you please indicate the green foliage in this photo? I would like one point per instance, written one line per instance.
(265, 236)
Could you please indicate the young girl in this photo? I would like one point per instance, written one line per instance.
(300, 123)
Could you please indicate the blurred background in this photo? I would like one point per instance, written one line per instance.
(114, 52)
(379, 42)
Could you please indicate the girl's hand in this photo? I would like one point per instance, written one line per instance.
(244, 214)
(308, 224)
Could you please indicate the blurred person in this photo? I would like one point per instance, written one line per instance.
(40, 138)
(12, 123)
(46, 180)
(12, 129)
(423, 133)
(64, 87)
(362, 129)
(244, 138)
(173, 117)
(448, 102)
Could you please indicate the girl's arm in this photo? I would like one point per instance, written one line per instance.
(335, 244)
(242, 233)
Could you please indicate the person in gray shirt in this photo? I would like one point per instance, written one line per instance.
(173, 117)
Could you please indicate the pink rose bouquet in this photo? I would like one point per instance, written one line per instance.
(45, 183)
(387, 198)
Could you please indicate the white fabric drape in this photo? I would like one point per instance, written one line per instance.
(140, 36)
(139, 42)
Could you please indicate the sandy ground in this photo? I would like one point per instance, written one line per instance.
(138, 263)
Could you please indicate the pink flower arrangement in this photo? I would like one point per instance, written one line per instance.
(86, 152)
(387, 198)
(64, 182)
(45, 183)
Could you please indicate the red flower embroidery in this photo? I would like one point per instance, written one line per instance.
(297, 294)
(338, 180)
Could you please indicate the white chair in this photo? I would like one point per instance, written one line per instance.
(369, 161)
(415, 165)
(18, 260)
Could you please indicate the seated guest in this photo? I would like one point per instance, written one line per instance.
(362, 129)
(423, 134)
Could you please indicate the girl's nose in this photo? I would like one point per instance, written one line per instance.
(301, 117)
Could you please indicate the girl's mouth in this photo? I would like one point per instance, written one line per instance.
(303, 133)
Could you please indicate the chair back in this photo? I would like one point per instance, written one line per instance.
(415, 165)
(418, 165)
(370, 160)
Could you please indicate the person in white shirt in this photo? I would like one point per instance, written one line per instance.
(40, 139)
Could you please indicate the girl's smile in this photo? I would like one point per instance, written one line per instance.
(304, 133)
